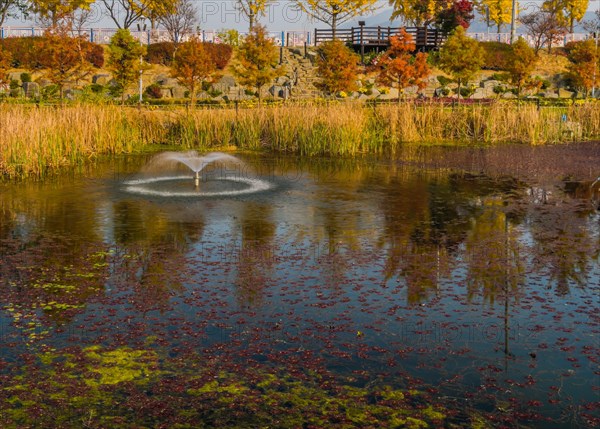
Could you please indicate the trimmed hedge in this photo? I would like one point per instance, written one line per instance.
(24, 52)
(164, 52)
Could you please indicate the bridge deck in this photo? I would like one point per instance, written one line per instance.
(426, 39)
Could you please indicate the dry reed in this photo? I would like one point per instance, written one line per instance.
(35, 140)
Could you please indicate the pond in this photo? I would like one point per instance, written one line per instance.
(458, 287)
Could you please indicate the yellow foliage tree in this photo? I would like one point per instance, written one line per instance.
(253, 9)
(53, 12)
(418, 12)
(125, 13)
(567, 11)
(498, 11)
(336, 12)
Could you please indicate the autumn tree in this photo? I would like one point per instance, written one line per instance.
(257, 60)
(11, 8)
(56, 13)
(567, 11)
(180, 21)
(521, 63)
(63, 58)
(457, 13)
(461, 56)
(399, 67)
(543, 27)
(192, 66)
(253, 9)
(497, 11)
(125, 13)
(124, 60)
(445, 14)
(584, 69)
(337, 66)
(5, 64)
(417, 12)
(336, 12)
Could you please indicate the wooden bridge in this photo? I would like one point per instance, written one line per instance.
(378, 38)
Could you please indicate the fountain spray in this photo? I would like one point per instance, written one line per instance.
(197, 180)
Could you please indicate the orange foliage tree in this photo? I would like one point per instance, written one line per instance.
(584, 69)
(192, 66)
(63, 58)
(337, 66)
(5, 64)
(398, 66)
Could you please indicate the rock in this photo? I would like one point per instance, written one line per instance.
(392, 94)
(70, 94)
(224, 84)
(508, 95)
(178, 91)
(375, 92)
(168, 83)
(17, 92)
(101, 79)
(44, 82)
(312, 57)
(563, 93)
(277, 91)
(161, 78)
(550, 95)
(15, 76)
(32, 89)
(481, 93)
(281, 80)
(489, 83)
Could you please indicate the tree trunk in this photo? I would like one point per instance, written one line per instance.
(193, 96)
(459, 88)
(571, 24)
(251, 21)
(334, 25)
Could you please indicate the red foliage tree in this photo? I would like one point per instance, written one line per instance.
(460, 12)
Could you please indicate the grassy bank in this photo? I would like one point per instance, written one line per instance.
(36, 140)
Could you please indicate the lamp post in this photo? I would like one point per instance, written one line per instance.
(513, 22)
(362, 41)
(141, 82)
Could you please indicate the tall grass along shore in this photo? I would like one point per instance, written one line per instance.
(36, 140)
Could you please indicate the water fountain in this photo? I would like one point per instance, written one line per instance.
(228, 175)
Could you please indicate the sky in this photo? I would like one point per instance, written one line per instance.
(282, 15)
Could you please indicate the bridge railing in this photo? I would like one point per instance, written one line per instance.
(379, 36)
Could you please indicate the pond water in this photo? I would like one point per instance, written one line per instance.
(456, 288)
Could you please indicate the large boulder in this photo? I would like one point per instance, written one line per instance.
(32, 89)
(224, 84)
(178, 92)
(43, 82)
(101, 79)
